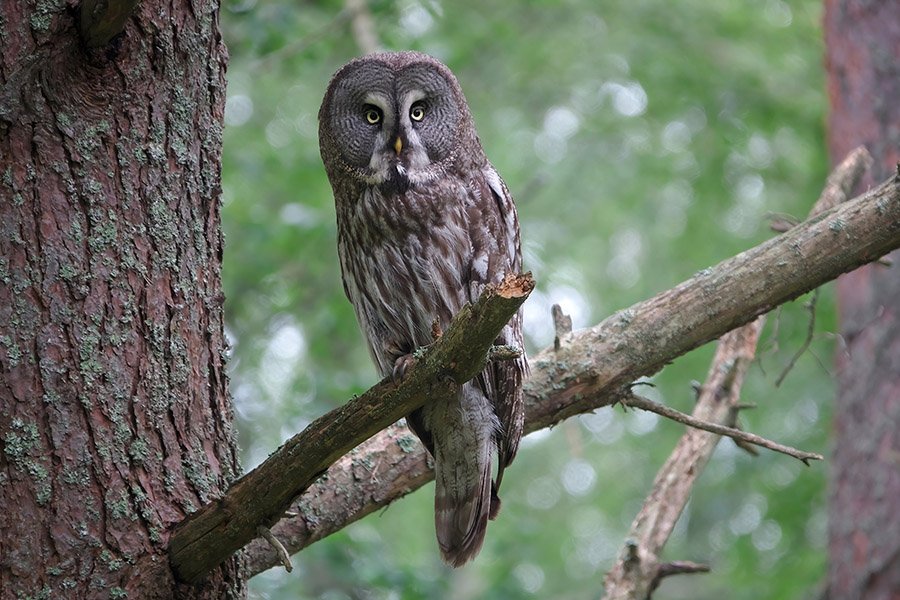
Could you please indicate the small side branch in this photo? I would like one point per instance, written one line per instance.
(678, 567)
(670, 413)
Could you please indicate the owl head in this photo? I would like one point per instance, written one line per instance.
(394, 119)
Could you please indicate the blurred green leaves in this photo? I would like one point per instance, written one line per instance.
(643, 141)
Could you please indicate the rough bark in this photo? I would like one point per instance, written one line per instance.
(114, 416)
(863, 63)
(593, 367)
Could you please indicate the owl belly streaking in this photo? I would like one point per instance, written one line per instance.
(424, 223)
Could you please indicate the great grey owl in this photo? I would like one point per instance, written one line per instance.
(424, 223)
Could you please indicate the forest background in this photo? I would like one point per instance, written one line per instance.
(643, 141)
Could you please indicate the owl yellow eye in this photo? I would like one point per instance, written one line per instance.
(373, 116)
(417, 112)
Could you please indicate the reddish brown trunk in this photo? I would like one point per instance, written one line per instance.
(114, 416)
(863, 62)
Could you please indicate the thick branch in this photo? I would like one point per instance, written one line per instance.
(261, 496)
(592, 367)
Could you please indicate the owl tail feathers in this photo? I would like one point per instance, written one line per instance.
(460, 520)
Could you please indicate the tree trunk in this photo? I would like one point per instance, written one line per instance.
(863, 62)
(115, 421)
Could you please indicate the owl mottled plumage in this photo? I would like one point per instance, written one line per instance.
(424, 223)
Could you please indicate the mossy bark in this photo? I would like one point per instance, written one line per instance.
(115, 421)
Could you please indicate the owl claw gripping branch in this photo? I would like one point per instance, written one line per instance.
(424, 224)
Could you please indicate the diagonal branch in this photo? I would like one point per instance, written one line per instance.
(638, 572)
(593, 367)
(261, 497)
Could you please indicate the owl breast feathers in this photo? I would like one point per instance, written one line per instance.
(424, 223)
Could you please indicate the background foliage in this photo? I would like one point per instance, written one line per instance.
(643, 141)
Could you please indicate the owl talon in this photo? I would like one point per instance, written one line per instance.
(401, 365)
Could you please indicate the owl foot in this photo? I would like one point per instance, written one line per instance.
(401, 365)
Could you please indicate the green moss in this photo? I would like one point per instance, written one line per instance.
(164, 231)
(178, 365)
(43, 13)
(169, 480)
(45, 593)
(85, 401)
(88, 352)
(68, 272)
(20, 442)
(76, 476)
(117, 505)
(407, 443)
(111, 562)
(104, 233)
(140, 155)
(156, 152)
(139, 451)
(42, 482)
(21, 446)
(155, 535)
(89, 140)
(197, 471)
(13, 353)
(117, 593)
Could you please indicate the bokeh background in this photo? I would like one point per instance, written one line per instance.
(643, 141)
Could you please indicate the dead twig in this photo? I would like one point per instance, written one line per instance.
(647, 404)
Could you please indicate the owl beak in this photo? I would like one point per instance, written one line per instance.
(398, 145)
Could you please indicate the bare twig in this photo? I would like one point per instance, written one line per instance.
(678, 567)
(670, 413)
(840, 183)
(807, 341)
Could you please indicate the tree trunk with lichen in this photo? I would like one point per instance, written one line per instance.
(114, 417)
(863, 43)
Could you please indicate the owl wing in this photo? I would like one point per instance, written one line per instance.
(496, 251)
